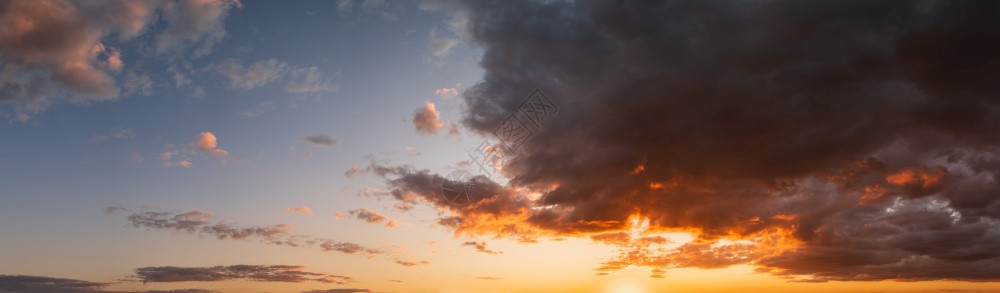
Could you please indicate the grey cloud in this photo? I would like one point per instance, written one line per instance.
(322, 140)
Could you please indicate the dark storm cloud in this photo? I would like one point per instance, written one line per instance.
(846, 140)
(28, 284)
(259, 273)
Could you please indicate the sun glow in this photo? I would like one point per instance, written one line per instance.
(624, 286)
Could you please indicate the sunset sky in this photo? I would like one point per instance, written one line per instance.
(499, 146)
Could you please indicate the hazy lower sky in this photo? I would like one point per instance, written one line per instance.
(499, 146)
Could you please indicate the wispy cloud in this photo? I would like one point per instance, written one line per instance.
(201, 223)
(117, 133)
(33, 284)
(257, 273)
(481, 247)
(299, 80)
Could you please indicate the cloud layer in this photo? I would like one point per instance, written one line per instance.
(825, 141)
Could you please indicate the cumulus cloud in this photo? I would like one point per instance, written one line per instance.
(53, 49)
(258, 273)
(300, 209)
(322, 140)
(426, 119)
(30, 284)
(847, 141)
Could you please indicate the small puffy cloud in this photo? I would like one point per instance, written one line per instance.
(322, 140)
(300, 210)
(446, 92)
(369, 216)
(426, 119)
(391, 224)
(207, 142)
(112, 210)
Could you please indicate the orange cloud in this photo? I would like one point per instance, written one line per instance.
(426, 119)
(207, 142)
(300, 209)
(446, 92)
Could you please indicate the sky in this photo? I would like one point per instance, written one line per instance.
(499, 146)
